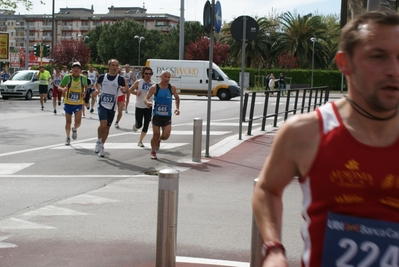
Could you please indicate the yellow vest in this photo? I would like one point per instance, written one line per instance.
(74, 96)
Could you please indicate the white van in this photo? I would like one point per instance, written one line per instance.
(191, 77)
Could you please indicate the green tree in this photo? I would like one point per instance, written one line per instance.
(125, 45)
(92, 41)
(295, 37)
(13, 4)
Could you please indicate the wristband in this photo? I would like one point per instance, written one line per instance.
(269, 245)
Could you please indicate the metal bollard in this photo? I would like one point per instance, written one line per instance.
(256, 243)
(168, 191)
(197, 139)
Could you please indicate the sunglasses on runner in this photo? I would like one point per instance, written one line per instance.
(147, 73)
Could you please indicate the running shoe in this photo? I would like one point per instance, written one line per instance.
(91, 110)
(68, 141)
(126, 111)
(158, 145)
(135, 128)
(140, 144)
(74, 134)
(42, 108)
(101, 152)
(88, 107)
(97, 147)
(153, 155)
(83, 116)
(55, 111)
(116, 125)
(59, 103)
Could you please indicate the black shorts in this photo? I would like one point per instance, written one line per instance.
(161, 121)
(43, 88)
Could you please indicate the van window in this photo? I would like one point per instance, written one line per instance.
(215, 75)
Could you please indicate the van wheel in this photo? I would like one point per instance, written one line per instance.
(28, 95)
(224, 94)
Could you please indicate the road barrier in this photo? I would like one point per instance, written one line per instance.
(305, 99)
(168, 191)
(197, 140)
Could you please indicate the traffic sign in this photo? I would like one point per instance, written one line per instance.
(207, 17)
(218, 17)
(237, 28)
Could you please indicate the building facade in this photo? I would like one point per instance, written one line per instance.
(28, 30)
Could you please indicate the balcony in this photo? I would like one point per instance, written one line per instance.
(66, 27)
(85, 27)
(47, 27)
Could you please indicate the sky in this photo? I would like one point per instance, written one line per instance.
(194, 9)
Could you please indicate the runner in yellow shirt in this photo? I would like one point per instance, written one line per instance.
(74, 87)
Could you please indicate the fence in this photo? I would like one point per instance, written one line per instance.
(305, 100)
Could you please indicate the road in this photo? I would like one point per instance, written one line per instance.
(59, 201)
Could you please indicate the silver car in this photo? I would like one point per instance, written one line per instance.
(22, 83)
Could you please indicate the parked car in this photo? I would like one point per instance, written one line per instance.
(23, 83)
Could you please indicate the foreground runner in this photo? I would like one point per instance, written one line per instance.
(74, 87)
(109, 86)
(162, 110)
(345, 155)
(140, 88)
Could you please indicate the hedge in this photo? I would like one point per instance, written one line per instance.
(331, 78)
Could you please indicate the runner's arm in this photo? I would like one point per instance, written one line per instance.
(177, 100)
(134, 87)
(150, 93)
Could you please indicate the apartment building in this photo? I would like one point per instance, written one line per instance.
(27, 30)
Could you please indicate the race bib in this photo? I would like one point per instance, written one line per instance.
(356, 242)
(162, 110)
(107, 98)
(57, 82)
(42, 81)
(74, 97)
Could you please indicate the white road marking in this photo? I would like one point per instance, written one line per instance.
(54, 211)
(87, 200)
(11, 168)
(6, 245)
(212, 262)
(119, 146)
(14, 223)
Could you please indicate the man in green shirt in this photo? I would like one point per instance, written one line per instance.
(43, 77)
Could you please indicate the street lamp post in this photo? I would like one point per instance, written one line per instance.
(140, 38)
(313, 40)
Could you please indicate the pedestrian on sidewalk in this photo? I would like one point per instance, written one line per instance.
(74, 88)
(345, 156)
(140, 88)
(162, 110)
(109, 85)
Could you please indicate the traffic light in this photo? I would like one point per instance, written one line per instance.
(36, 50)
(46, 50)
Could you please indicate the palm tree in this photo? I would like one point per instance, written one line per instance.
(296, 32)
(257, 51)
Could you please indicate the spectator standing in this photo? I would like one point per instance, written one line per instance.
(281, 83)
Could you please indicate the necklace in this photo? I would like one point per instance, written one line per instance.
(366, 114)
